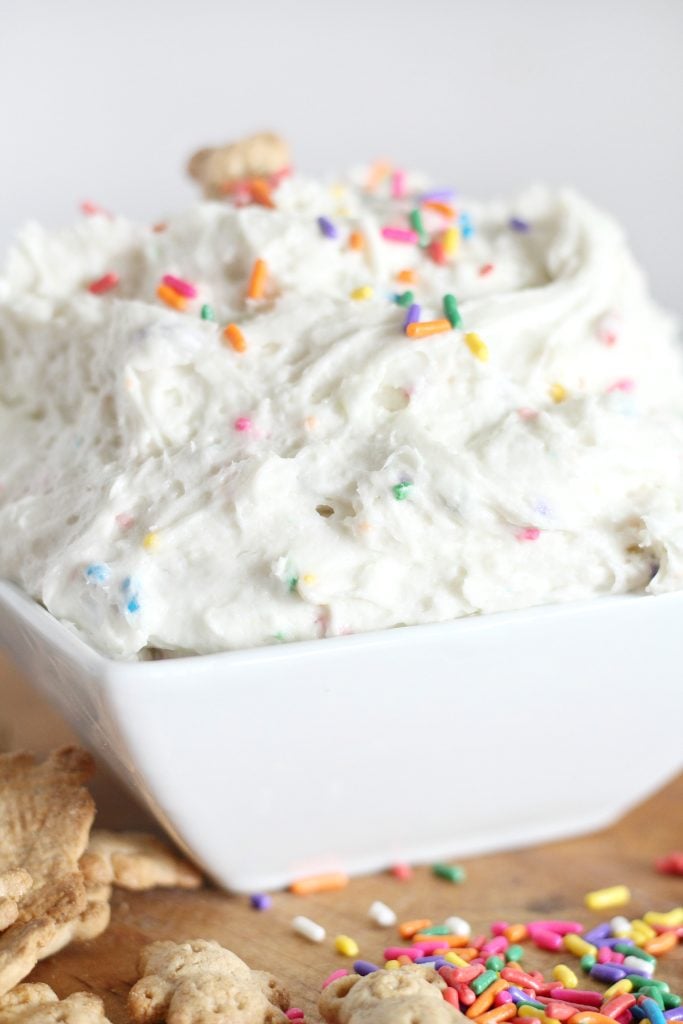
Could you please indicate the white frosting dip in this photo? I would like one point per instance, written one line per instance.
(159, 489)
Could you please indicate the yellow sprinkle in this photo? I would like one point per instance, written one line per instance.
(342, 211)
(477, 347)
(451, 241)
(309, 578)
(391, 965)
(565, 976)
(619, 988)
(557, 392)
(346, 946)
(150, 541)
(338, 189)
(640, 930)
(453, 958)
(365, 292)
(531, 1011)
(672, 919)
(578, 946)
(612, 896)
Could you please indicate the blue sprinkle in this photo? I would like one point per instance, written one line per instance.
(98, 572)
(517, 224)
(129, 588)
(466, 226)
(133, 605)
(327, 227)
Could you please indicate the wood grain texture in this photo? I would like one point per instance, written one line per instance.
(543, 881)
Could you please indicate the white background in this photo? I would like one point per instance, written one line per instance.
(106, 100)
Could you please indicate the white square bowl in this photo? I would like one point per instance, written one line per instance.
(410, 744)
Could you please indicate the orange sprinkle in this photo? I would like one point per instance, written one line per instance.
(235, 338)
(407, 276)
(404, 960)
(410, 928)
(424, 328)
(378, 172)
(516, 933)
(356, 240)
(468, 953)
(259, 190)
(484, 1001)
(257, 281)
(661, 943)
(589, 1017)
(158, 228)
(171, 298)
(445, 209)
(320, 883)
(449, 941)
(505, 1012)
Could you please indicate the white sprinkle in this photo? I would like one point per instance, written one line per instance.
(382, 915)
(309, 929)
(458, 926)
(620, 927)
(635, 963)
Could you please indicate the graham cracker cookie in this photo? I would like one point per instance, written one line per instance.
(407, 995)
(259, 156)
(138, 861)
(38, 1004)
(199, 982)
(45, 815)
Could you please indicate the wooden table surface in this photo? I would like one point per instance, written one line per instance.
(518, 886)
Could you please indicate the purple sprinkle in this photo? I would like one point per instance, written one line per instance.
(676, 1013)
(518, 995)
(261, 901)
(412, 316)
(597, 934)
(438, 195)
(612, 941)
(517, 224)
(364, 967)
(327, 227)
(427, 959)
(608, 973)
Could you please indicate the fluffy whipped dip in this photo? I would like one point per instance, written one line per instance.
(164, 489)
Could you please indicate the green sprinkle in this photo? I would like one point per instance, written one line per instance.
(671, 1000)
(483, 981)
(639, 982)
(207, 313)
(587, 961)
(405, 299)
(401, 493)
(514, 953)
(629, 950)
(495, 963)
(418, 226)
(292, 583)
(451, 872)
(436, 929)
(280, 637)
(450, 308)
(654, 993)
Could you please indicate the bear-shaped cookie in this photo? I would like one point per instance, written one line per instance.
(406, 995)
(220, 168)
(200, 982)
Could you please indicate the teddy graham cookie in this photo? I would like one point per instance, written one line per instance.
(407, 995)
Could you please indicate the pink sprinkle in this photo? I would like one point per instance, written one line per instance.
(243, 423)
(438, 253)
(604, 955)
(180, 286)
(543, 937)
(495, 946)
(93, 210)
(561, 927)
(617, 958)
(502, 997)
(124, 520)
(487, 268)
(527, 414)
(294, 1014)
(498, 927)
(577, 995)
(403, 872)
(609, 329)
(533, 533)
(398, 185)
(341, 973)
(394, 952)
(104, 284)
(624, 384)
(400, 235)
(426, 947)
